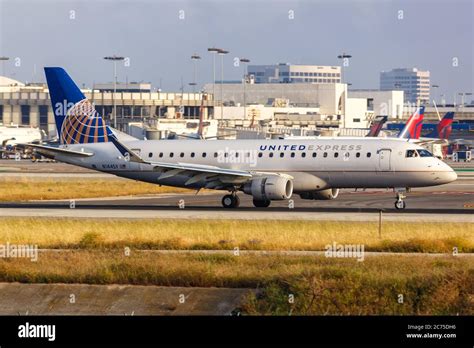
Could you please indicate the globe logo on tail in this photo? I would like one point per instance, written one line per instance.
(83, 125)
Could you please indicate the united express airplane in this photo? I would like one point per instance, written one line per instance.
(268, 170)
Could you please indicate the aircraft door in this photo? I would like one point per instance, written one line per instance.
(385, 160)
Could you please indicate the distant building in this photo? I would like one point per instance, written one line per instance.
(382, 103)
(413, 82)
(288, 73)
(30, 105)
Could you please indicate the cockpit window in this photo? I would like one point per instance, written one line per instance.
(425, 153)
(418, 153)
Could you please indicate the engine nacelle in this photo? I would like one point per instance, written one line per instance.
(322, 195)
(270, 188)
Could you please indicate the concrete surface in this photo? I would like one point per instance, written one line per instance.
(54, 299)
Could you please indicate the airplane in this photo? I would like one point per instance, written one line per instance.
(376, 126)
(444, 128)
(268, 170)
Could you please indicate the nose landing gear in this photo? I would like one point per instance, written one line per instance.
(231, 201)
(400, 203)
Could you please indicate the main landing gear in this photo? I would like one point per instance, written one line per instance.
(231, 201)
(400, 203)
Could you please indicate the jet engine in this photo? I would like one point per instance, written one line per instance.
(269, 188)
(322, 195)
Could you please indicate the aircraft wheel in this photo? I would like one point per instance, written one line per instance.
(261, 204)
(400, 205)
(230, 201)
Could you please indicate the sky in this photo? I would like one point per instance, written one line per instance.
(159, 37)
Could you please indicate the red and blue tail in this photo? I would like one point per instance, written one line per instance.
(77, 121)
(444, 127)
(412, 129)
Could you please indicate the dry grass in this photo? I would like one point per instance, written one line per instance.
(228, 234)
(430, 285)
(30, 188)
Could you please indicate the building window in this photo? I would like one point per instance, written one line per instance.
(43, 115)
(25, 114)
(356, 120)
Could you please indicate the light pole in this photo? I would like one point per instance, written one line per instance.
(213, 50)
(343, 56)
(222, 53)
(194, 58)
(245, 61)
(115, 59)
(462, 94)
(3, 59)
(435, 95)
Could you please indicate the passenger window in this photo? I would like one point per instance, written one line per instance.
(160, 155)
(270, 154)
(303, 154)
(192, 154)
(215, 154)
(292, 154)
(171, 154)
(226, 154)
(369, 154)
(358, 154)
(282, 154)
(325, 154)
(204, 154)
(411, 153)
(236, 155)
(181, 154)
(150, 154)
(260, 154)
(314, 154)
(347, 154)
(336, 154)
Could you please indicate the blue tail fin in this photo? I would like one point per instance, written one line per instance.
(77, 121)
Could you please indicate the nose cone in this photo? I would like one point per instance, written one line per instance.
(449, 176)
(446, 174)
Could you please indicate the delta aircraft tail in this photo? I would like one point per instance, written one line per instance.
(412, 129)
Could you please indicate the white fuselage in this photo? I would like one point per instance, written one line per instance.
(314, 164)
